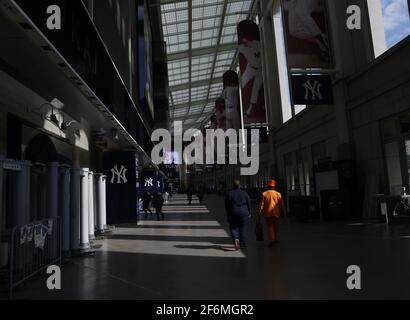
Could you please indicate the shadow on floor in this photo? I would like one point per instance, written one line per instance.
(214, 247)
(217, 240)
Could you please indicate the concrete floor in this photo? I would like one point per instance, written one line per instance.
(190, 256)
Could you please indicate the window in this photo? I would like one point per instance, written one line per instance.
(319, 152)
(303, 172)
(396, 16)
(288, 109)
(290, 172)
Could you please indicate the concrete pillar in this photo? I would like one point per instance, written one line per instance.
(101, 202)
(84, 238)
(52, 190)
(3, 246)
(91, 206)
(75, 209)
(64, 207)
(34, 193)
(20, 193)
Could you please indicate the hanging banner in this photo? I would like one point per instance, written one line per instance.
(232, 101)
(253, 97)
(150, 181)
(220, 114)
(307, 34)
(312, 89)
(121, 171)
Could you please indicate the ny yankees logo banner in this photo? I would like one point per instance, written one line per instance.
(150, 181)
(120, 169)
(312, 89)
(250, 62)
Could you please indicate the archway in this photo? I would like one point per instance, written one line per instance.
(41, 150)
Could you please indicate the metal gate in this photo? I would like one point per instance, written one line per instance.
(33, 247)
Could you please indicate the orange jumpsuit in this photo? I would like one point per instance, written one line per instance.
(272, 206)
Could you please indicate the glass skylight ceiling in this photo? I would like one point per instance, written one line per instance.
(201, 45)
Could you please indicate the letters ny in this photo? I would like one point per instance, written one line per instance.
(313, 90)
(120, 174)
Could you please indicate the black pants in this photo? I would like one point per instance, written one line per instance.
(146, 210)
(159, 213)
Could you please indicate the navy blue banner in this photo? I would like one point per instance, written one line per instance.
(312, 89)
(150, 181)
(120, 169)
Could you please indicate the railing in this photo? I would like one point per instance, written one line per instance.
(33, 247)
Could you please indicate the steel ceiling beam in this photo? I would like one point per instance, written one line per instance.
(252, 12)
(195, 84)
(218, 45)
(201, 51)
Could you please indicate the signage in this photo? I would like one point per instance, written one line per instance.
(120, 169)
(12, 166)
(312, 89)
(250, 63)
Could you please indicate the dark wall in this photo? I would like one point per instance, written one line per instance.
(116, 25)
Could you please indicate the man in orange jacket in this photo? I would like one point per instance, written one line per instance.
(271, 206)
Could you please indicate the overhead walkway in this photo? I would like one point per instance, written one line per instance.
(190, 256)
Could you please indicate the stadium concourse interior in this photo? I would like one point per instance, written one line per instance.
(125, 124)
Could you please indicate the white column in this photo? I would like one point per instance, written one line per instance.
(377, 26)
(52, 190)
(91, 203)
(104, 201)
(84, 238)
(75, 209)
(64, 205)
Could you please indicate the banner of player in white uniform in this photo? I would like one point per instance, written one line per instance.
(253, 97)
(307, 34)
(227, 107)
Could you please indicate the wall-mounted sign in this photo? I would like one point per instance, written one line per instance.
(11, 166)
(312, 89)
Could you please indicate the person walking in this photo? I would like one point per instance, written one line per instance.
(146, 201)
(190, 193)
(272, 206)
(158, 202)
(238, 209)
(201, 194)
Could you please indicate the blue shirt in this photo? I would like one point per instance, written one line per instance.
(237, 203)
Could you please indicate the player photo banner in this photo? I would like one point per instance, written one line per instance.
(250, 61)
(220, 117)
(307, 34)
(230, 95)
